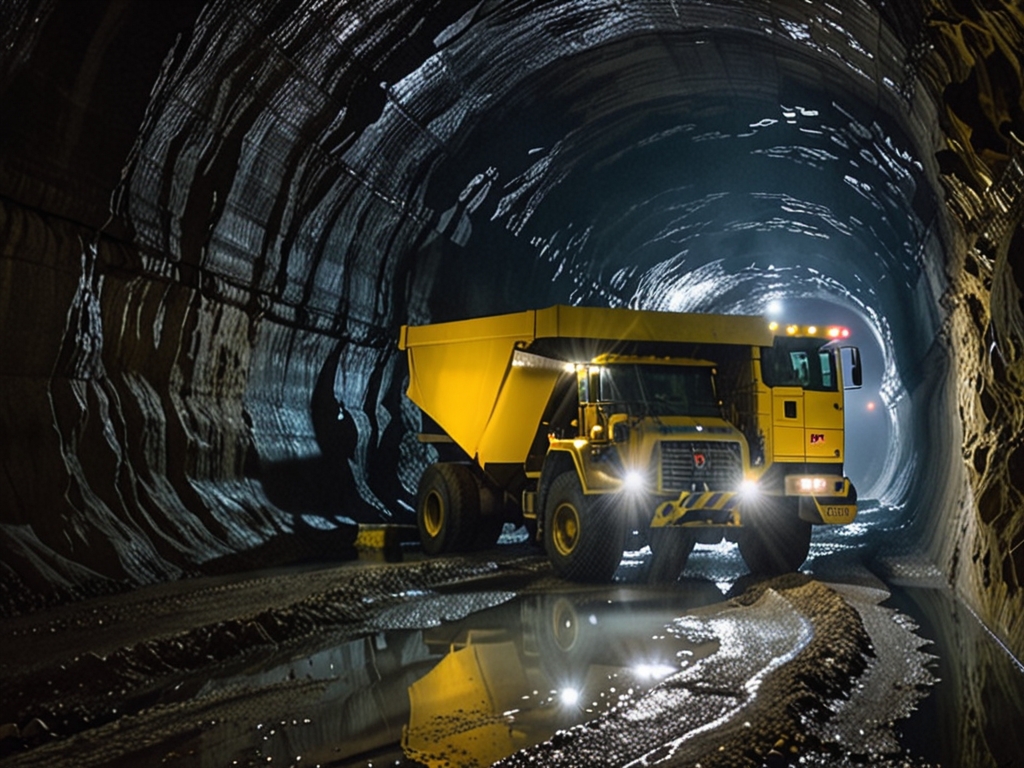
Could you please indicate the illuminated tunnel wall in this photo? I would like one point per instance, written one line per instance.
(215, 216)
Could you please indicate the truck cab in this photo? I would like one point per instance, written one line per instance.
(653, 426)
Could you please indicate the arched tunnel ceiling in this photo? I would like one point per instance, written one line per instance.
(217, 216)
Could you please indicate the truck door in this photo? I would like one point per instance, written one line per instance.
(823, 401)
(807, 402)
(783, 373)
(788, 423)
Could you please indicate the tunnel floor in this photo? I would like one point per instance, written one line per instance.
(862, 658)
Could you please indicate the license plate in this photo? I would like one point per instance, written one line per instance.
(835, 510)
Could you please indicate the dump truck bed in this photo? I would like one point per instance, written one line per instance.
(487, 381)
(595, 323)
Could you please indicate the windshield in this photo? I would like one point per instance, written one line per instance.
(660, 390)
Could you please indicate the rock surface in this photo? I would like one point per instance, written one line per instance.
(215, 216)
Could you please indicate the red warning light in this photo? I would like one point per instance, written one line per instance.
(845, 333)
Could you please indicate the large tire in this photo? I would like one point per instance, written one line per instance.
(447, 508)
(582, 535)
(670, 549)
(774, 540)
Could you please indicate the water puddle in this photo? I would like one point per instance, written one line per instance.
(974, 712)
(559, 660)
(630, 672)
(470, 692)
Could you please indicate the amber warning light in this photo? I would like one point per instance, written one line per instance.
(833, 331)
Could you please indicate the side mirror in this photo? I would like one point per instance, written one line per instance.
(856, 371)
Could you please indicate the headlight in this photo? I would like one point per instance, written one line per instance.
(633, 481)
(749, 489)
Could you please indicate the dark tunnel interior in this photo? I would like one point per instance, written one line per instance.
(215, 217)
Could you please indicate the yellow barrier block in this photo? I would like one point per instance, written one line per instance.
(384, 536)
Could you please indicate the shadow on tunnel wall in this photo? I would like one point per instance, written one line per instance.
(323, 484)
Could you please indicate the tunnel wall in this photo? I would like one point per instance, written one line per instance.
(977, 538)
(213, 221)
(167, 413)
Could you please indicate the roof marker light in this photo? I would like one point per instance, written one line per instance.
(791, 329)
(773, 326)
(812, 329)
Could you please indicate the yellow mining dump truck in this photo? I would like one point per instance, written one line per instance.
(590, 424)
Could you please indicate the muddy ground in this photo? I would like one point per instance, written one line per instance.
(317, 666)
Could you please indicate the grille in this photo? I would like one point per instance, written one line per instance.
(714, 466)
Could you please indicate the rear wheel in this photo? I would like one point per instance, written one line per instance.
(447, 508)
(670, 549)
(775, 541)
(582, 535)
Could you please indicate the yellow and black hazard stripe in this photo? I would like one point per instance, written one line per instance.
(708, 507)
(716, 500)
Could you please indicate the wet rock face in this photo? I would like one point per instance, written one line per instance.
(215, 219)
(978, 539)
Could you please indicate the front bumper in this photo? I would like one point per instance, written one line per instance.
(725, 508)
(837, 509)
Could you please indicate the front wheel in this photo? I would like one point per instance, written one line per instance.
(582, 535)
(447, 508)
(776, 541)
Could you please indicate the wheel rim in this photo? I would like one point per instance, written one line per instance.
(565, 528)
(433, 514)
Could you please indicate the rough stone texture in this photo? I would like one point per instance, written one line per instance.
(979, 538)
(214, 216)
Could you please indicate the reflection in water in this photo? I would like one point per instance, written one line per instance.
(624, 670)
(567, 659)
